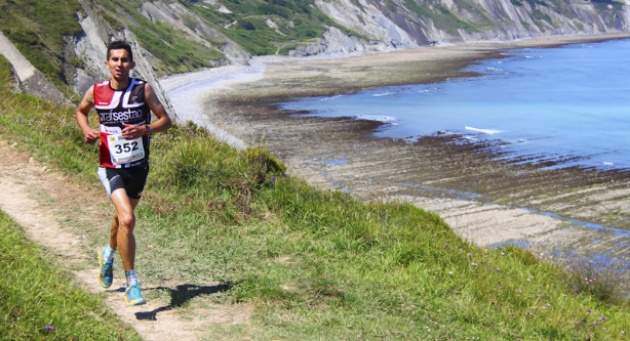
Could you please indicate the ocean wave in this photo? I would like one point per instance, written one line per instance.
(387, 93)
(493, 68)
(485, 131)
(471, 137)
(329, 98)
(608, 163)
(384, 119)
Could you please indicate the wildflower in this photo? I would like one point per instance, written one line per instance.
(548, 305)
(20, 118)
(502, 253)
(520, 291)
(469, 255)
(544, 307)
(474, 264)
(622, 332)
(550, 320)
(553, 285)
(529, 280)
(498, 268)
(416, 240)
(4, 111)
(273, 179)
(589, 311)
(12, 118)
(50, 327)
(531, 314)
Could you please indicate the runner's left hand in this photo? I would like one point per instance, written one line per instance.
(132, 132)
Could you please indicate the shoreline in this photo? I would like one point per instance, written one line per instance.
(246, 111)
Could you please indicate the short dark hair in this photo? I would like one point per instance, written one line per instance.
(118, 45)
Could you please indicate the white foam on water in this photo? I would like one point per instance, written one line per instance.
(471, 138)
(608, 163)
(387, 93)
(485, 131)
(329, 98)
(385, 119)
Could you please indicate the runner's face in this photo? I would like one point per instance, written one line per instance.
(119, 64)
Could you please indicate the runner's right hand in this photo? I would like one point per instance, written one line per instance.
(91, 136)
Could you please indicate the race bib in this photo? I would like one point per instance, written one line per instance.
(124, 151)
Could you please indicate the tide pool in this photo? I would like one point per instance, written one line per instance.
(560, 102)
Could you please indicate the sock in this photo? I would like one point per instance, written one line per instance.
(108, 254)
(131, 278)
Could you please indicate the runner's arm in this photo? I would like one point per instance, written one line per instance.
(91, 135)
(162, 124)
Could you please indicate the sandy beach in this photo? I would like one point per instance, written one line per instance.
(555, 212)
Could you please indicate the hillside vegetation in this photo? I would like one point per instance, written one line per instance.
(318, 264)
(38, 28)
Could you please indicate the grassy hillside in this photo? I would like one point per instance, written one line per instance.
(296, 20)
(318, 264)
(37, 28)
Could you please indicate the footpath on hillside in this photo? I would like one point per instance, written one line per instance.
(51, 208)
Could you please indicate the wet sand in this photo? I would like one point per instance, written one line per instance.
(486, 201)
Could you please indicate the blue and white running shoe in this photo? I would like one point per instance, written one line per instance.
(133, 295)
(106, 272)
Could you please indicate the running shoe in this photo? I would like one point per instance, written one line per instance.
(133, 295)
(106, 273)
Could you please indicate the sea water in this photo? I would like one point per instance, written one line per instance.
(572, 101)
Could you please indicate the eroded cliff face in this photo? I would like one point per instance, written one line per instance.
(174, 36)
(450, 21)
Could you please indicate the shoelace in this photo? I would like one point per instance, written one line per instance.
(134, 292)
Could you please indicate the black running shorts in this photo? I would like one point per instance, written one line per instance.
(132, 179)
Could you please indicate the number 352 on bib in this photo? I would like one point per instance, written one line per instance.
(122, 150)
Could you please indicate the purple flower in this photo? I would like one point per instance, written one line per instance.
(529, 280)
(589, 311)
(12, 118)
(531, 314)
(416, 240)
(544, 307)
(550, 320)
(4, 111)
(19, 118)
(49, 327)
(622, 332)
(498, 268)
(474, 264)
(520, 291)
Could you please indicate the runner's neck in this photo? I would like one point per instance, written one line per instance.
(119, 85)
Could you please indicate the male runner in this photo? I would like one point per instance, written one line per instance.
(124, 108)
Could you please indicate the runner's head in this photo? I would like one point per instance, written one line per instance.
(119, 59)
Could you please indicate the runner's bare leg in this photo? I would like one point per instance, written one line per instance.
(122, 227)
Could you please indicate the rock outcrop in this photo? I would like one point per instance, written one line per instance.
(30, 80)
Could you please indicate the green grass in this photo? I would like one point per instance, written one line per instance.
(322, 265)
(34, 294)
(37, 28)
(442, 17)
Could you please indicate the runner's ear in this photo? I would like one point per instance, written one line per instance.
(133, 64)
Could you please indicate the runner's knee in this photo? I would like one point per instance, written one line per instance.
(126, 222)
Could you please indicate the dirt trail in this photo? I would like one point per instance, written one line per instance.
(35, 198)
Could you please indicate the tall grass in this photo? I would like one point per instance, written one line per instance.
(323, 264)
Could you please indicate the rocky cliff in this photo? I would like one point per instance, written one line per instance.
(67, 41)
